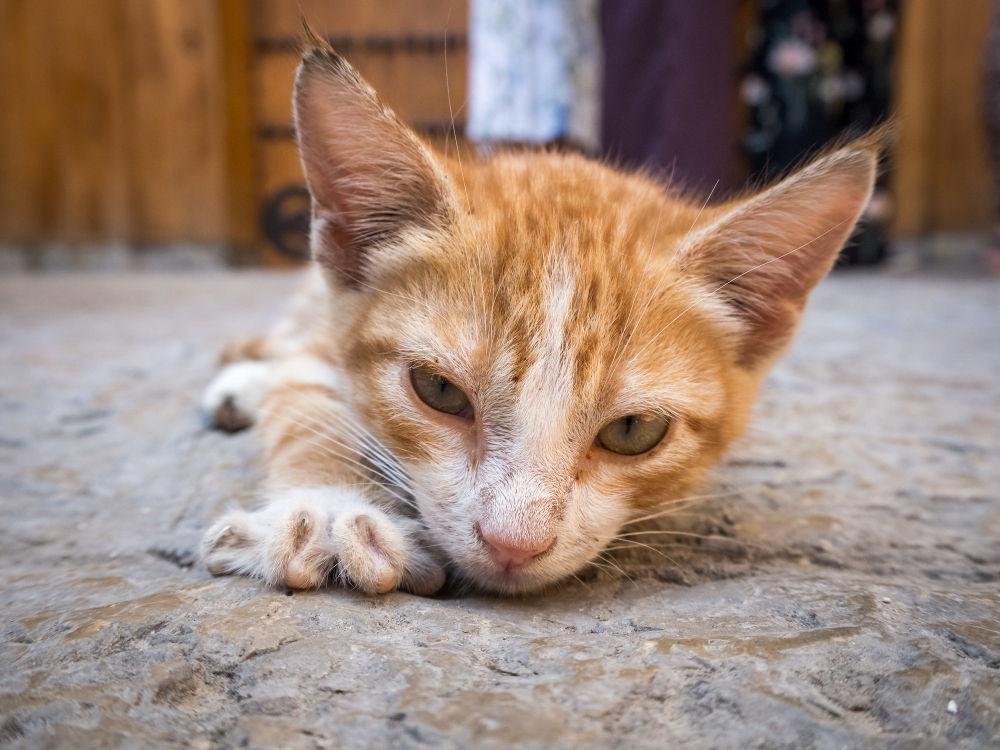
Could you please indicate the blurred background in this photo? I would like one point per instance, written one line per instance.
(158, 133)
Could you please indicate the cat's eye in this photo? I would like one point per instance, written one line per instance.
(634, 434)
(437, 391)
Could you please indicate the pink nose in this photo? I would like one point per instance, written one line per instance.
(509, 555)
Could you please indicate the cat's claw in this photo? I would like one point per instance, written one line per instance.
(304, 538)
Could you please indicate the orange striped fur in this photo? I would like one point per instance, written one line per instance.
(559, 294)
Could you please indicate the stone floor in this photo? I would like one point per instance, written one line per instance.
(843, 589)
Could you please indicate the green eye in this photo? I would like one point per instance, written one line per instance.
(437, 391)
(634, 434)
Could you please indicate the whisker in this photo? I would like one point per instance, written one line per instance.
(376, 449)
(351, 460)
(980, 627)
(606, 568)
(361, 474)
(653, 549)
(612, 563)
(633, 545)
(684, 501)
(358, 429)
(709, 537)
(347, 447)
(678, 533)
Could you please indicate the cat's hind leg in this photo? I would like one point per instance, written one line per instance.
(232, 398)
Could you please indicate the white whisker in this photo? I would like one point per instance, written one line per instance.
(351, 460)
(684, 501)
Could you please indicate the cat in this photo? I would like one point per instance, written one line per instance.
(497, 363)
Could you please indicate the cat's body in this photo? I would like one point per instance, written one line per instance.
(497, 364)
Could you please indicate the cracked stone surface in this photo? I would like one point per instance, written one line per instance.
(840, 589)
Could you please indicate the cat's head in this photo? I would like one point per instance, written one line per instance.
(548, 345)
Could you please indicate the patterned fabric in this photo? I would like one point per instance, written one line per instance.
(535, 71)
(819, 68)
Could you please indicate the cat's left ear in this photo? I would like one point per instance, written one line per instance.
(370, 177)
(764, 255)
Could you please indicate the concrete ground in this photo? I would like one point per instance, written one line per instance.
(844, 592)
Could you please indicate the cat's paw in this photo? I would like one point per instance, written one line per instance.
(306, 536)
(232, 398)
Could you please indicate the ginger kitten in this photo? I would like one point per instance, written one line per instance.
(497, 364)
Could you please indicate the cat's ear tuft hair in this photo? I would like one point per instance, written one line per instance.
(763, 255)
(370, 177)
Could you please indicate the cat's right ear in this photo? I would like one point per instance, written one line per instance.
(370, 177)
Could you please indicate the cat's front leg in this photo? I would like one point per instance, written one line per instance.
(325, 515)
(305, 537)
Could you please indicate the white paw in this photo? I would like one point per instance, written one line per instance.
(232, 398)
(305, 536)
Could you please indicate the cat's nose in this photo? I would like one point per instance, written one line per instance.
(510, 554)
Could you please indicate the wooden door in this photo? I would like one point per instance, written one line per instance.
(942, 180)
(121, 121)
(413, 52)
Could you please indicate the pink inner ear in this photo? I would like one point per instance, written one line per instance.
(369, 175)
(334, 246)
(769, 252)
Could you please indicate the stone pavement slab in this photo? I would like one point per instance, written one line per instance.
(841, 590)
